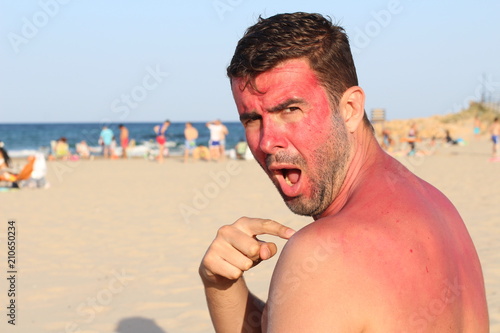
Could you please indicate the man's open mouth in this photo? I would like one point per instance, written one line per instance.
(291, 176)
(288, 178)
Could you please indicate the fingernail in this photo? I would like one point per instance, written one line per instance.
(289, 232)
(266, 254)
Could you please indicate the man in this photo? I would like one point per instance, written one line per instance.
(190, 134)
(161, 139)
(222, 147)
(387, 252)
(477, 127)
(106, 138)
(495, 138)
(412, 139)
(218, 134)
(123, 139)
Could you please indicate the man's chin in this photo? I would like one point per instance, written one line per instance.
(298, 206)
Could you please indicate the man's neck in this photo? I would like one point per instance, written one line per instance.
(364, 152)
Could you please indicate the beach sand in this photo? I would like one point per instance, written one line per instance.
(114, 245)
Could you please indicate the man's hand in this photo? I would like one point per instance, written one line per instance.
(236, 248)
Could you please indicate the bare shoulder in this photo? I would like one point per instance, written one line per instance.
(314, 288)
(404, 264)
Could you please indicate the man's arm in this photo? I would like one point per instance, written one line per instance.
(164, 128)
(233, 308)
(235, 250)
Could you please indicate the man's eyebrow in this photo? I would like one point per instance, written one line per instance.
(253, 115)
(249, 116)
(285, 104)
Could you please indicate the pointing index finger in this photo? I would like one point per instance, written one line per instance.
(257, 226)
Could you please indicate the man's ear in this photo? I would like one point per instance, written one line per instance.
(352, 106)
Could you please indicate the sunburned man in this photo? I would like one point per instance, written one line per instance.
(386, 252)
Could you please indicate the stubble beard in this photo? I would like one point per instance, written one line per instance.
(325, 180)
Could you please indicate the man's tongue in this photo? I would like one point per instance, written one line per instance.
(292, 176)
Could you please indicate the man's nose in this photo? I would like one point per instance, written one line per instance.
(272, 138)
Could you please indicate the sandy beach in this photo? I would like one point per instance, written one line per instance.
(114, 245)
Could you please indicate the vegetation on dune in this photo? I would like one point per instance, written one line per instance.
(459, 124)
(485, 113)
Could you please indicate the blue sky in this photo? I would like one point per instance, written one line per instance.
(128, 61)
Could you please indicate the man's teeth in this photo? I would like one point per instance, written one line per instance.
(288, 181)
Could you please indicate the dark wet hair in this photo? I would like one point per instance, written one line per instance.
(298, 35)
(5, 156)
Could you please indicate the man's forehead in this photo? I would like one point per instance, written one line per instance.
(292, 67)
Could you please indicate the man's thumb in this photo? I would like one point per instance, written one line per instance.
(267, 250)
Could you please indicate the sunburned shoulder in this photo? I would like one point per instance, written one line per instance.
(365, 279)
(384, 260)
(376, 230)
(391, 193)
(341, 276)
(356, 243)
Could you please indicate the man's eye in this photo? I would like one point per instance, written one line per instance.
(291, 109)
(251, 122)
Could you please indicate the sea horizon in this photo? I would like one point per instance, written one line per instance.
(22, 139)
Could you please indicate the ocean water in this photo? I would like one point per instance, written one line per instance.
(22, 139)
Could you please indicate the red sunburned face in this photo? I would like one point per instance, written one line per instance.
(299, 142)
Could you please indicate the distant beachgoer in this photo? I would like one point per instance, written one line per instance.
(495, 137)
(112, 148)
(106, 137)
(5, 162)
(386, 139)
(190, 134)
(37, 178)
(218, 133)
(161, 138)
(222, 146)
(449, 139)
(124, 140)
(477, 127)
(412, 138)
(83, 150)
(201, 152)
(433, 141)
(241, 149)
(15, 178)
(62, 149)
